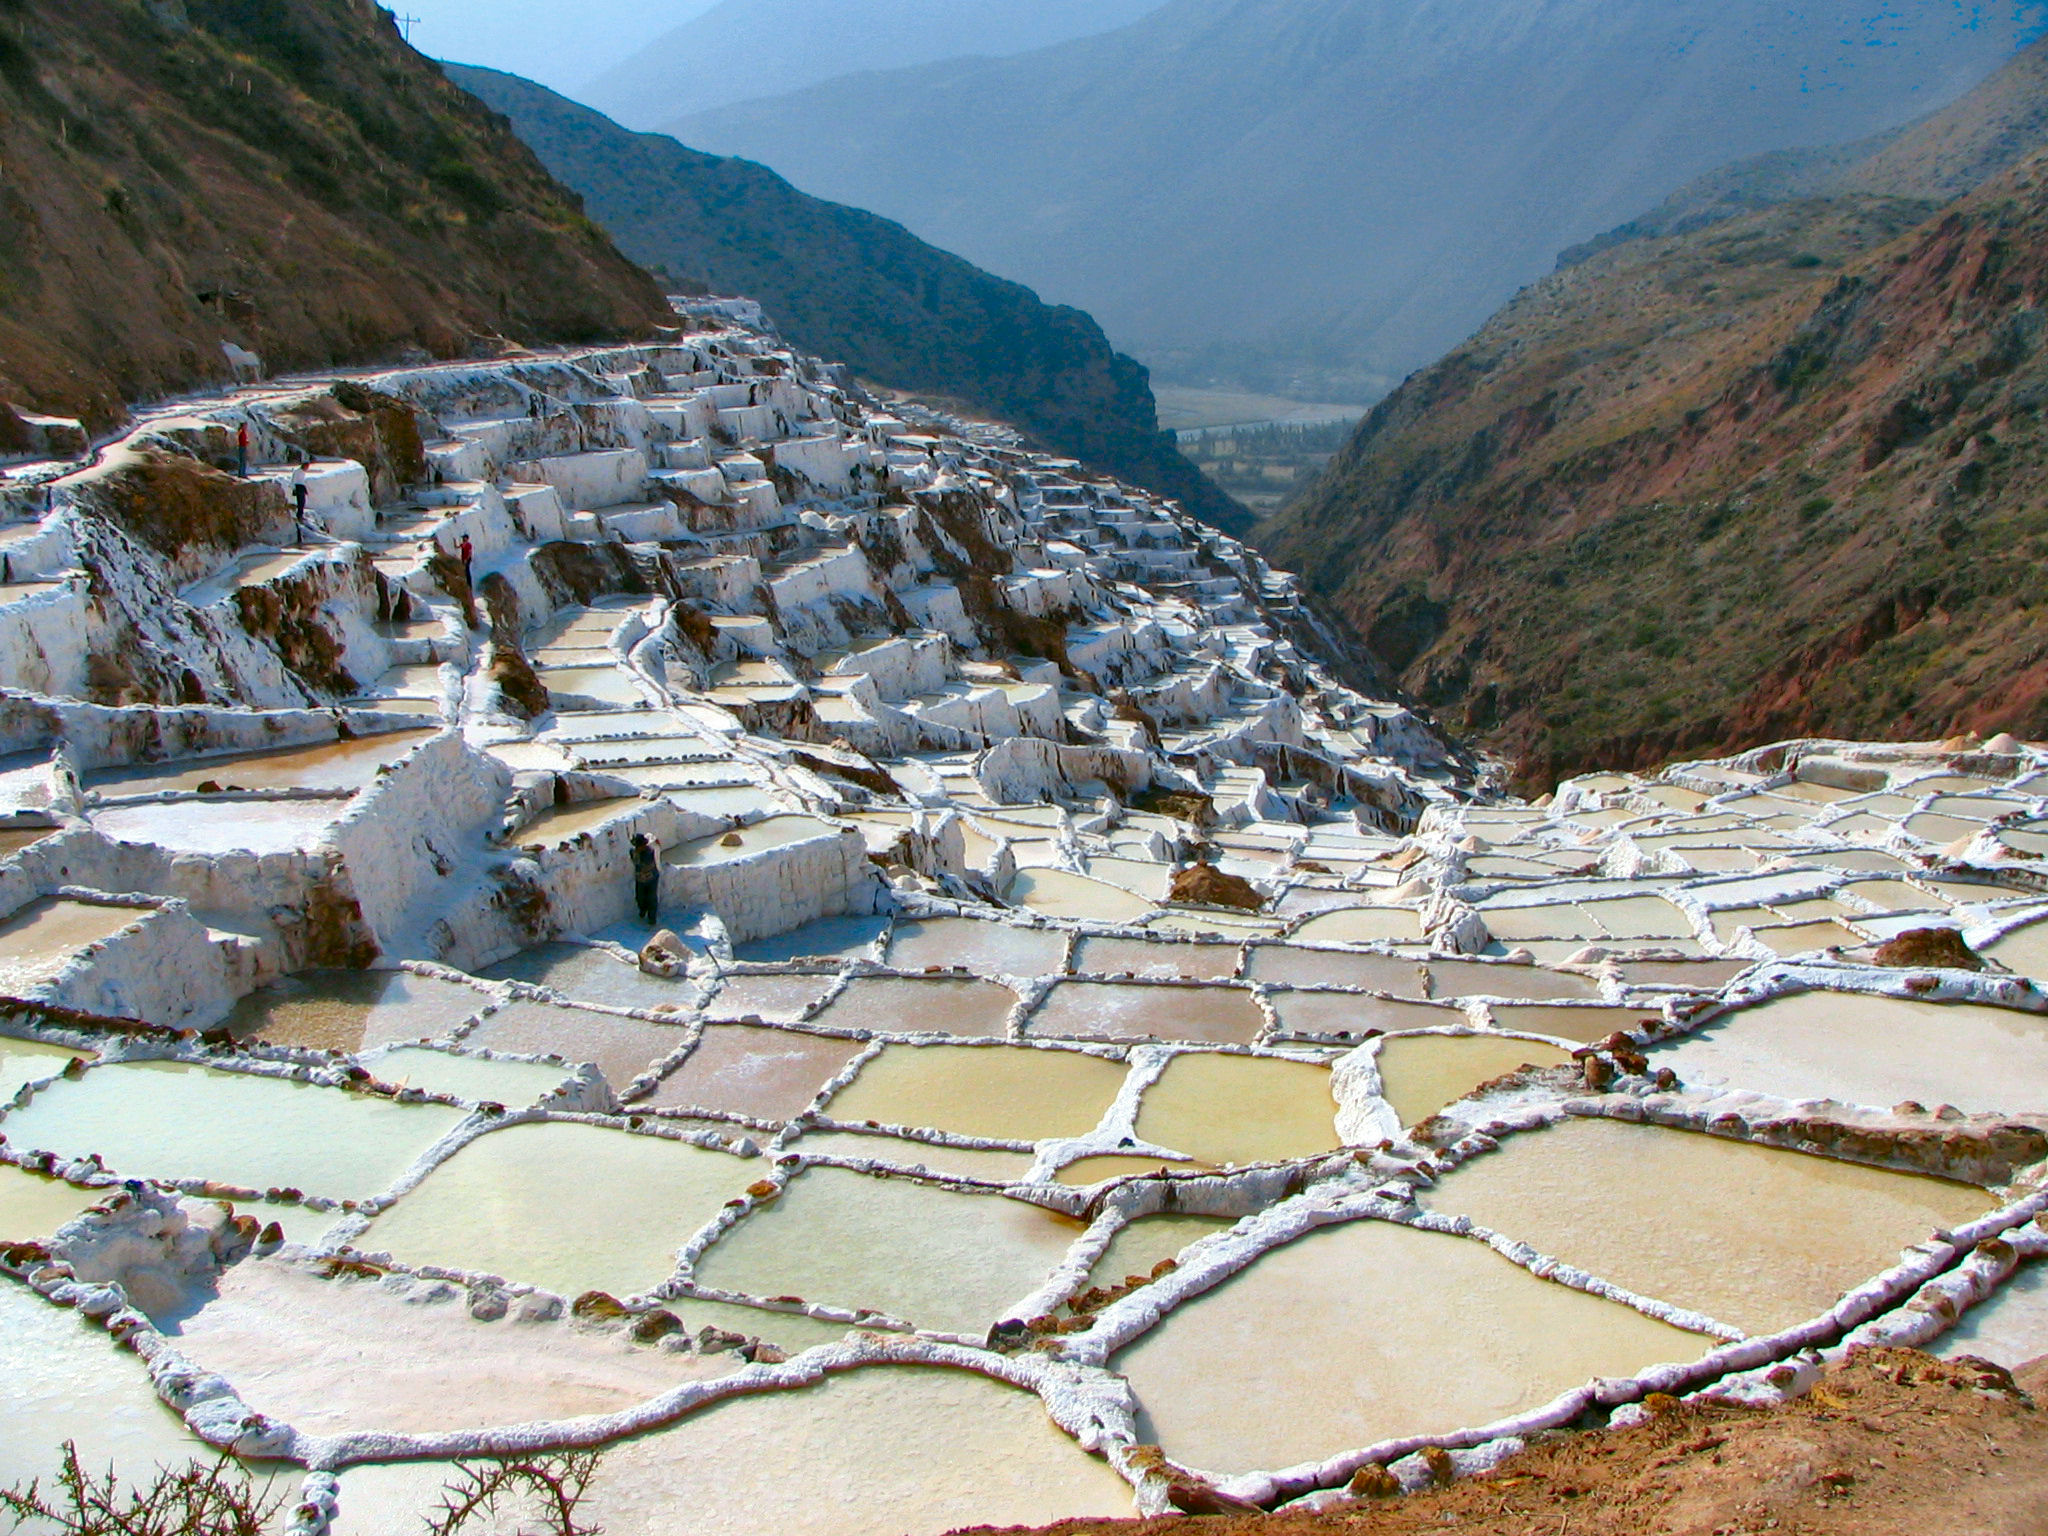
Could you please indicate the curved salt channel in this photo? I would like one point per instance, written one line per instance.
(1747, 1235)
(1370, 1330)
(169, 1120)
(1226, 1109)
(352, 1010)
(571, 1208)
(323, 765)
(1006, 1093)
(1876, 1051)
(1422, 1074)
(742, 1069)
(1108, 1010)
(934, 1257)
(67, 1380)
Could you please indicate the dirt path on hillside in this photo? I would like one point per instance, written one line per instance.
(1896, 1443)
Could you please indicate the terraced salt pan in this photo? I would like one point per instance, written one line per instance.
(606, 686)
(39, 940)
(1361, 925)
(566, 1207)
(988, 949)
(768, 1074)
(169, 1120)
(721, 801)
(559, 824)
(1471, 978)
(1056, 893)
(33, 1205)
(351, 1010)
(1226, 1109)
(2011, 1328)
(1348, 1015)
(1876, 1051)
(783, 999)
(222, 826)
(1422, 1074)
(1140, 1245)
(1583, 1025)
(344, 1356)
(1746, 1234)
(1108, 1010)
(1453, 1335)
(1093, 1170)
(1284, 965)
(1211, 924)
(745, 842)
(829, 938)
(325, 765)
(30, 1061)
(590, 974)
(920, 1005)
(67, 1380)
(14, 839)
(956, 1162)
(621, 1048)
(1005, 1093)
(472, 1079)
(1097, 956)
(2024, 950)
(930, 1256)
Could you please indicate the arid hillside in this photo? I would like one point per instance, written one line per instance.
(1783, 474)
(286, 175)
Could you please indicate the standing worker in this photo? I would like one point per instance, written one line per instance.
(646, 877)
(299, 504)
(242, 450)
(468, 554)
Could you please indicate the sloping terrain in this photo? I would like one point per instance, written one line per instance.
(1316, 196)
(741, 49)
(290, 178)
(1780, 476)
(860, 290)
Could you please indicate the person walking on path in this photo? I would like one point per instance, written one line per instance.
(242, 450)
(646, 877)
(299, 504)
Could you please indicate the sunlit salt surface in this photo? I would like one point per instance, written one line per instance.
(1746, 1234)
(2024, 950)
(1877, 1051)
(1154, 959)
(768, 1074)
(167, 1120)
(981, 1163)
(920, 1005)
(1473, 978)
(1284, 965)
(1239, 1109)
(351, 1010)
(1421, 1074)
(745, 842)
(1093, 1170)
(591, 974)
(933, 1257)
(221, 826)
(472, 1079)
(1108, 1010)
(325, 765)
(1057, 893)
(1361, 925)
(1583, 1025)
(1414, 1332)
(67, 1380)
(570, 1208)
(30, 1061)
(621, 1048)
(39, 940)
(1350, 1014)
(1140, 1246)
(559, 824)
(988, 949)
(33, 1205)
(2010, 1328)
(828, 938)
(1008, 1093)
(14, 839)
(780, 999)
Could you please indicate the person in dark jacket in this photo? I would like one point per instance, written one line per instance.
(646, 877)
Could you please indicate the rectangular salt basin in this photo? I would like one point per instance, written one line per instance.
(31, 1061)
(472, 1079)
(982, 1163)
(1056, 893)
(568, 1207)
(1348, 1015)
(600, 685)
(920, 1005)
(621, 1048)
(591, 974)
(170, 1121)
(779, 999)
(41, 939)
(1746, 1234)
(989, 949)
(1875, 1051)
(1140, 1245)
(1228, 1109)
(742, 1069)
(352, 1010)
(1155, 959)
(1285, 965)
(1476, 978)
(1420, 1075)
(1582, 1026)
(1006, 1093)
(1361, 925)
(744, 842)
(558, 824)
(1108, 1010)
(934, 1257)
(1453, 1336)
(223, 826)
(323, 765)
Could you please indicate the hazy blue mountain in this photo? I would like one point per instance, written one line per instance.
(858, 289)
(1325, 193)
(741, 49)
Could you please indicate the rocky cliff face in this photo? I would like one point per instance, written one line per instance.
(288, 177)
(1779, 476)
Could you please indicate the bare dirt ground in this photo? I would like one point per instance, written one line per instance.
(1893, 1442)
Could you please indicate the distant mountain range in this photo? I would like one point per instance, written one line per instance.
(291, 179)
(1769, 462)
(742, 49)
(859, 290)
(1315, 196)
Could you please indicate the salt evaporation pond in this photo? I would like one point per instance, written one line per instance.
(1056, 893)
(590, 973)
(988, 949)
(1107, 1010)
(1226, 1109)
(933, 1257)
(170, 1120)
(982, 1163)
(1422, 1074)
(352, 1010)
(1414, 1333)
(1141, 1246)
(41, 939)
(1097, 956)
(620, 1047)
(767, 1074)
(913, 1005)
(30, 1061)
(1115, 1165)
(1876, 1051)
(34, 1205)
(223, 826)
(569, 1208)
(1007, 1093)
(469, 1078)
(1748, 1235)
(323, 765)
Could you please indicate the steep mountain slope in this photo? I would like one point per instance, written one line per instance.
(742, 49)
(1323, 194)
(861, 290)
(1774, 477)
(289, 177)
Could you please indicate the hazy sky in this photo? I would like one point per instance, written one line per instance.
(560, 43)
